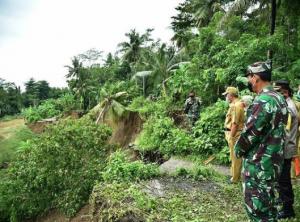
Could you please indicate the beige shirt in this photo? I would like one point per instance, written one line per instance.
(235, 114)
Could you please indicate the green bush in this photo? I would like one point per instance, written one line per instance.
(120, 201)
(120, 169)
(50, 108)
(160, 134)
(147, 107)
(111, 88)
(198, 173)
(208, 133)
(56, 170)
(66, 103)
(178, 142)
(206, 138)
(46, 110)
(155, 131)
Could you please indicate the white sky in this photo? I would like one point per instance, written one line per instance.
(39, 37)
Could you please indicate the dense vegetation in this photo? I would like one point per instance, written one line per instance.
(12, 100)
(213, 43)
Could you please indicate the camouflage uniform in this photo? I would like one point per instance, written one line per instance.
(261, 146)
(192, 109)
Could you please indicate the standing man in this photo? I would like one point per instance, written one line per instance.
(286, 193)
(192, 108)
(261, 145)
(234, 124)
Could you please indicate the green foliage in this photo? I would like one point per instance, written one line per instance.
(46, 110)
(177, 142)
(181, 83)
(186, 201)
(56, 170)
(111, 88)
(38, 91)
(120, 169)
(9, 146)
(223, 157)
(148, 107)
(160, 134)
(10, 98)
(206, 138)
(209, 130)
(199, 173)
(297, 199)
(119, 201)
(66, 103)
(51, 108)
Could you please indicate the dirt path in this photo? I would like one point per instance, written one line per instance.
(7, 128)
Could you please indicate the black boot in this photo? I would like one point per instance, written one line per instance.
(286, 213)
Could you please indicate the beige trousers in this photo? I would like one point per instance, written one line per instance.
(236, 163)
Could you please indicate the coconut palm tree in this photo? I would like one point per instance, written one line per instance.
(204, 11)
(110, 103)
(159, 64)
(132, 49)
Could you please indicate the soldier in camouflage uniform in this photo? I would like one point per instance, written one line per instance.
(261, 145)
(192, 108)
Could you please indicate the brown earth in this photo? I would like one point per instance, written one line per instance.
(56, 216)
(40, 126)
(126, 129)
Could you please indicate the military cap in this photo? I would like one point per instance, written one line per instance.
(231, 90)
(261, 69)
(283, 84)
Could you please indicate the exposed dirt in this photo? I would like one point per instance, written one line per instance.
(40, 126)
(55, 216)
(125, 129)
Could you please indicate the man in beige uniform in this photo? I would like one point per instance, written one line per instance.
(234, 124)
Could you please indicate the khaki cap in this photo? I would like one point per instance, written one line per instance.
(231, 90)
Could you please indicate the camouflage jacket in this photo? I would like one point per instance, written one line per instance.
(192, 106)
(262, 139)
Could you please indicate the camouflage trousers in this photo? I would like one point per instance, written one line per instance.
(259, 196)
(192, 119)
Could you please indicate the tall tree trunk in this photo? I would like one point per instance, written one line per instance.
(272, 27)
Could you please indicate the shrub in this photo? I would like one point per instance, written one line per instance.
(56, 170)
(120, 169)
(46, 110)
(155, 131)
(209, 130)
(147, 107)
(66, 103)
(120, 202)
(50, 108)
(206, 138)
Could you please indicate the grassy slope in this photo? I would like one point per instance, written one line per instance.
(11, 134)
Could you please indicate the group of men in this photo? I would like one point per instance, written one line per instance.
(263, 142)
(262, 138)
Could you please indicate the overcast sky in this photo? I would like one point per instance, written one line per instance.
(39, 37)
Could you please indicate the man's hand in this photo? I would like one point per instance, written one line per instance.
(233, 130)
